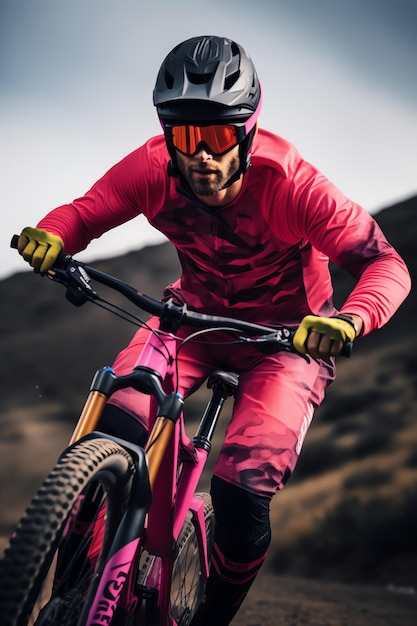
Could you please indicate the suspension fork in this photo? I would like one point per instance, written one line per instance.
(90, 415)
(154, 363)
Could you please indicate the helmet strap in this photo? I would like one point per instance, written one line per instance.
(244, 158)
(173, 169)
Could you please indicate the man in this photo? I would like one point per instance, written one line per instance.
(254, 226)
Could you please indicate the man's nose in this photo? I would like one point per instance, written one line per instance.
(203, 155)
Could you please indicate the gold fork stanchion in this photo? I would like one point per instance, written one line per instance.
(90, 415)
(157, 445)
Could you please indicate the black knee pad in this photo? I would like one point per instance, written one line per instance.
(242, 520)
(118, 423)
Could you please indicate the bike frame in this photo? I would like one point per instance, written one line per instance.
(172, 492)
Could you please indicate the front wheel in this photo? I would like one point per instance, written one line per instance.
(46, 573)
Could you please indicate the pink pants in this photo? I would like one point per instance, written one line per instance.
(273, 408)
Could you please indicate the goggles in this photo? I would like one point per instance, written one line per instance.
(218, 138)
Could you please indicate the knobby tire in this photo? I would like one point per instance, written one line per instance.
(98, 471)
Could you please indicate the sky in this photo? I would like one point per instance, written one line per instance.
(76, 81)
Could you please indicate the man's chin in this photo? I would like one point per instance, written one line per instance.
(202, 189)
(205, 192)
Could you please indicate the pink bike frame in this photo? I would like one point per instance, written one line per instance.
(173, 497)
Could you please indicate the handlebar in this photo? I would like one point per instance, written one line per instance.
(76, 276)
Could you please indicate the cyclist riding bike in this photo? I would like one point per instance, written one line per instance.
(254, 225)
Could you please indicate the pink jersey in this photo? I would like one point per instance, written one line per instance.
(265, 256)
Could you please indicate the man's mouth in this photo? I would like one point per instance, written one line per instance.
(203, 172)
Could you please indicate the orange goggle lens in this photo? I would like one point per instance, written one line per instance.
(219, 138)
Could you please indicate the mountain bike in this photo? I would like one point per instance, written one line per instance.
(118, 534)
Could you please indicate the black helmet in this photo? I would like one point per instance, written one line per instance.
(207, 80)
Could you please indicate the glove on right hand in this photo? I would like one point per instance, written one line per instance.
(336, 328)
(39, 248)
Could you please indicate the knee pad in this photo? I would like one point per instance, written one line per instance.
(242, 520)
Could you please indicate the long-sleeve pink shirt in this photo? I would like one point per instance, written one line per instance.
(265, 256)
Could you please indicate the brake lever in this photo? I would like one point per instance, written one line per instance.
(78, 285)
(69, 273)
(76, 280)
(279, 340)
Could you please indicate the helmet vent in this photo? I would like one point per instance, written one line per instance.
(198, 79)
(235, 48)
(230, 80)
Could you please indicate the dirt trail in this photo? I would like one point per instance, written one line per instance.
(276, 601)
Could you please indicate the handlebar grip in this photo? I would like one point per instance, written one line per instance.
(347, 349)
(62, 259)
(13, 243)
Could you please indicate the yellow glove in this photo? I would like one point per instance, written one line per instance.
(338, 328)
(39, 248)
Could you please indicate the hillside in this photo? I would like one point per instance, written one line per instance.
(350, 510)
